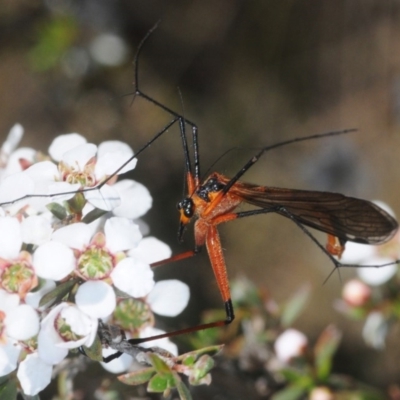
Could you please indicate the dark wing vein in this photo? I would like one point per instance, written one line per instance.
(348, 218)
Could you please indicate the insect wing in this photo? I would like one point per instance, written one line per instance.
(347, 218)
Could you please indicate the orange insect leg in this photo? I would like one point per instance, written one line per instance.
(214, 249)
(334, 247)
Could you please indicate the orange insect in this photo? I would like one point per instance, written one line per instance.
(214, 200)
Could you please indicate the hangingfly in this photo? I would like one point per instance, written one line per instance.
(214, 200)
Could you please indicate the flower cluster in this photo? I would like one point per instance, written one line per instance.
(72, 252)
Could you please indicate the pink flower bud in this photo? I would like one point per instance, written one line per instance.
(290, 344)
(356, 293)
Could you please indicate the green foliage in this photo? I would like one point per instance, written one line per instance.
(164, 374)
(53, 39)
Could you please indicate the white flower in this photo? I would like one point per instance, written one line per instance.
(99, 258)
(19, 322)
(89, 165)
(375, 330)
(65, 327)
(289, 344)
(11, 142)
(34, 374)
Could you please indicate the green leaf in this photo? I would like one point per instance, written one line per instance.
(157, 384)
(8, 390)
(93, 215)
(295, 305)
(201, 369)
(292, 375)
(183, 390)
(58, 293)
(190, 358)
(57, 210)
(160, 365)
(54, 38)
(94, 352)
(289, 393)
(324, 350)
(137, 377)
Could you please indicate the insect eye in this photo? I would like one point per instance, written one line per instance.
(213, 185)
(187, 207)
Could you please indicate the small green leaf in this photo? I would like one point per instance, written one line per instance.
(157, 384)
(137, 377)
(58, 293)
(189, 360)
(291, 375)
(295, 305)
(94, 352)
(201, 369)
(159, 365)
(57, 210)
(8, 390)
(191, 357)
(324, 350)
(183, 390)
(93, 215)
(289, 393)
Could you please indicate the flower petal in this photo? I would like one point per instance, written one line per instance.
(111, 155)
(150, 250)
(96, 298)
(48, 338)
(135, 199)
(36, 230)
(164, 343)
(34, 374)
(64, 143)
(121, 234)
(377, 276)
(133, 277)
(9, 354)
(118, 365)
(22, 323)
(12, 140)
(11, 239)
(76, 236)
(33, 298)
(106, 198)
(169, 297)
(79, 156)
(16, 186)
(53, 260)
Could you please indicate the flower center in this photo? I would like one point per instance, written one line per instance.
(95, 263)
(18, 278)
(133, 315)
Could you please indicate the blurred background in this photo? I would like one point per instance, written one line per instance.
(250, 73)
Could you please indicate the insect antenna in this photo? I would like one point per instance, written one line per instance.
(256, 157)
